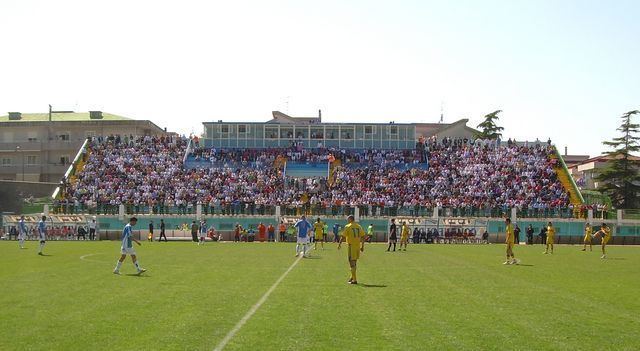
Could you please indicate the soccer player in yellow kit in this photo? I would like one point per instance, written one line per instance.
(404, 236)
(318, 231)
(605, 236)
(510, 241)
(551, 236)
(587, 238)
(354, 235)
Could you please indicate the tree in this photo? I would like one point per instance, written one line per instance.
(622, 177)
(489, 128)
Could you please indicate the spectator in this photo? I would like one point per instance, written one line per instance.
(271, 230)
(194, 231)
(530, 235)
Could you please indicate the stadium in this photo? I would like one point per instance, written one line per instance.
(315, 232)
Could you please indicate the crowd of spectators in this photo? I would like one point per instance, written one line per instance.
(148, 173)
(298, 154)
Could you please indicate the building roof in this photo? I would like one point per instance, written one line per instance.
(279, 117)
(63, 117)
(602, 158)
(430, 129)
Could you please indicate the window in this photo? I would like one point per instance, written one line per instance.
(346, 133)
(32, 136)
(63, 136)
(332, 133)
(64, 160)
(317, 132)
(89, 133)
(6, 162)
(393, 132)
(243, 131)
(286, 132)
(271, 132)
(225, 130)
(32, 160)
(369, 130)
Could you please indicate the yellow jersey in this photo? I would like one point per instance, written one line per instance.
(353, 234)
(587, 233)
(405, 231)
(551, 231)
(510, 235)
(318, 228)
(607, 235)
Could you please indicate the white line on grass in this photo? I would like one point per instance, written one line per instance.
(84, 258)
(254, 308)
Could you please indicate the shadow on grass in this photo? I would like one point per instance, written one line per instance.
(372, 286)
(524, 265)
(45, 255)
(615, 258)
(138, 275)
(312, 258)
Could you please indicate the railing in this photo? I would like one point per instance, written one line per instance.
(251, 209)
(631, 214)
(72, 167)
(572, 182)
(401, 166)
(204, 163)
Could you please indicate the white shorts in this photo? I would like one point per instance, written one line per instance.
(127, 251)
(302, 240)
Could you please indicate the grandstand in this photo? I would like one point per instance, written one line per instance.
(474, 181)
(442, 181)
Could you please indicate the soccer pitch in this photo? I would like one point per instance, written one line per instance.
(430, 297)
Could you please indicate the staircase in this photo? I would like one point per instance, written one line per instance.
(76, 167)
(332, 171)
(575, 197)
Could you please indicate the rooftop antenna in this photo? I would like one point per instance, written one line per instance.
(286, 104)
(441, 111)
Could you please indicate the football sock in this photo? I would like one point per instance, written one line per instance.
(118, 265)
(41, 247)
(353, 273)
(135, 263)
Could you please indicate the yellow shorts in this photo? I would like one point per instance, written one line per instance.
(354, 252)
(587, 238)
(551, 239)
(404, 239)
(318, 237)
(605, 239)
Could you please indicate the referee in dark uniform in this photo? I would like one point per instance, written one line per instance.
(162, 235)
(393, 235)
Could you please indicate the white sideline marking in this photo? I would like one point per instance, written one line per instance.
(254, 308)
(84, 258)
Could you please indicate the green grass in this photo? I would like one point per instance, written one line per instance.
(431, 297)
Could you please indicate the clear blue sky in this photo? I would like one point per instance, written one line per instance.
(560, 69)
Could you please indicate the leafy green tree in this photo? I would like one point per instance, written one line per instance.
(489, 128)
(621, 179)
